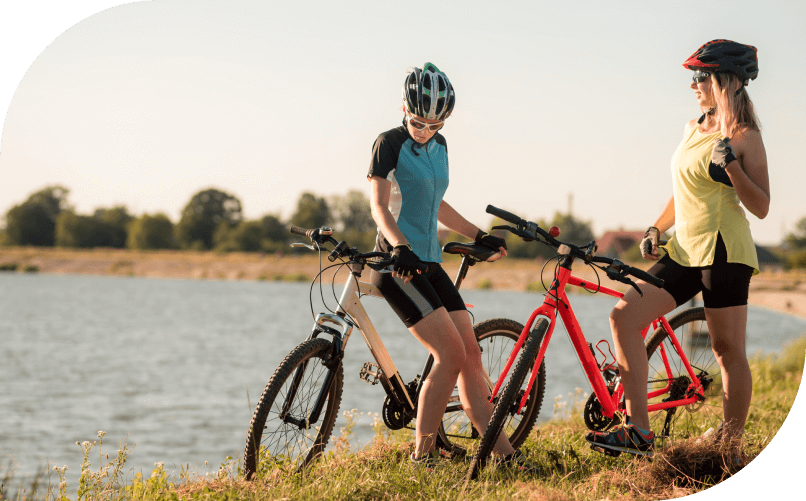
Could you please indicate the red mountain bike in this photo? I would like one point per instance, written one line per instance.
(684, 391)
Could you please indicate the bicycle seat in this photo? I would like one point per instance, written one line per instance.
(476, 252)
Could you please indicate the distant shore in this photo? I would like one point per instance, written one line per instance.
(784, 292)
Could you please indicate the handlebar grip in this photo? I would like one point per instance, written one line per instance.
(646, 277)
(300, 231)
(506, 216)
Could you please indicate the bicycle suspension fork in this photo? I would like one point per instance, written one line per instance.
(332, 361)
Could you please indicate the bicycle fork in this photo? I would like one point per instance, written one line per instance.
(331, 362)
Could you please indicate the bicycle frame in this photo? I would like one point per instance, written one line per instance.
(350, 314)
(557, 300)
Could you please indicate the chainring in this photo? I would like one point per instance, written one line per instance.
(395, 416)
(594, 419)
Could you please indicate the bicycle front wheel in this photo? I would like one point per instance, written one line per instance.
(667, 370)
(507, 399)
(496, 338)
(281, 433)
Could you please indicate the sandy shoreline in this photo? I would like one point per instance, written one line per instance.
(784, 292)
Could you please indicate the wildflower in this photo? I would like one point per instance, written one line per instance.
(101, 434)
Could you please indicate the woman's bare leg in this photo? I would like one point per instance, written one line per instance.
(628, 318)
(439, 335)
(473, 390)
(728, 327)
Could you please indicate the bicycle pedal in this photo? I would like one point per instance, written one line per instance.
(370, 373)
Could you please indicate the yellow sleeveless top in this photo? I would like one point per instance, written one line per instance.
(704, 208)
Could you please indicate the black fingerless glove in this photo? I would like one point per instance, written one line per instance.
(490, 241)
(722, 153)
(649, 244)
(407, 260)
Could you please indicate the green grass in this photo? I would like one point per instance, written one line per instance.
(484, 284)
(569, 470)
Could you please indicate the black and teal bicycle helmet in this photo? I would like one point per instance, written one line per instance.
(428, 93)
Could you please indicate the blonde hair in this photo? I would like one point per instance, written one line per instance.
(734, 112)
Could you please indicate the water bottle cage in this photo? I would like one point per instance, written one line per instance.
(604, 366)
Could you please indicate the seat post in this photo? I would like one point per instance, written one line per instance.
(466, 263)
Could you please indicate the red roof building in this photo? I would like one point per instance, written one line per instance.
(616, 243)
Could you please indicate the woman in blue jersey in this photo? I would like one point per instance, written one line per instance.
(409, 176)
(720, 163)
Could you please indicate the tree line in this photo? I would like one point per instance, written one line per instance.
(211, 220)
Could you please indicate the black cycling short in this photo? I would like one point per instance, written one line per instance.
(722, 284)
(423, 294)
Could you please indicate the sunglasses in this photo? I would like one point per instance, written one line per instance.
(700, 76)
(420, 125)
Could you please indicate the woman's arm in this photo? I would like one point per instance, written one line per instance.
(380, 191)
(749, 172)
(666, 218)
(448, 216)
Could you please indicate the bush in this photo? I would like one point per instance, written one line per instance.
(73, 230)
(797, 259)
(151, 232)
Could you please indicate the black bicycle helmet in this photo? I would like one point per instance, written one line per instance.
(726, 56)
(428, 93)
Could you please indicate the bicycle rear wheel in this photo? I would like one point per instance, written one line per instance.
(693, 420)
(281, 433)
(506, 399)
(496, 338)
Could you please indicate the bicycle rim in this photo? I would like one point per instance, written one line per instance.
(292, 442)
(693, 420)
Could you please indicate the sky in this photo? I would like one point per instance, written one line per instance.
(560, 105)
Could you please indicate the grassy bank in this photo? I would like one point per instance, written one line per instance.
(506, 274)
(569, 469)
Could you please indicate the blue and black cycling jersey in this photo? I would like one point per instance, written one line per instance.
(419, 177)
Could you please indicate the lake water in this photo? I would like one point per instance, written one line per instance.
(176, 366)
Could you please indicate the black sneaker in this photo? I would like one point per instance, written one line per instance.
(627, 438)
(517, 460)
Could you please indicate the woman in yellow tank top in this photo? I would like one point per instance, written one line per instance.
(720, 163)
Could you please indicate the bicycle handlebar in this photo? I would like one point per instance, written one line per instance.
(616, 269)
(322, 235)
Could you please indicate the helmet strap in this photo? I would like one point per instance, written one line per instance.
(709, 112)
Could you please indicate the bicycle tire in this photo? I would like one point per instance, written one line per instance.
(523, 366)
(695, 419)
(496, 338)
(269, 439)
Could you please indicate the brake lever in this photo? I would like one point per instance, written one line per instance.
(616, 272)
(300, 244)
(515, 231)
